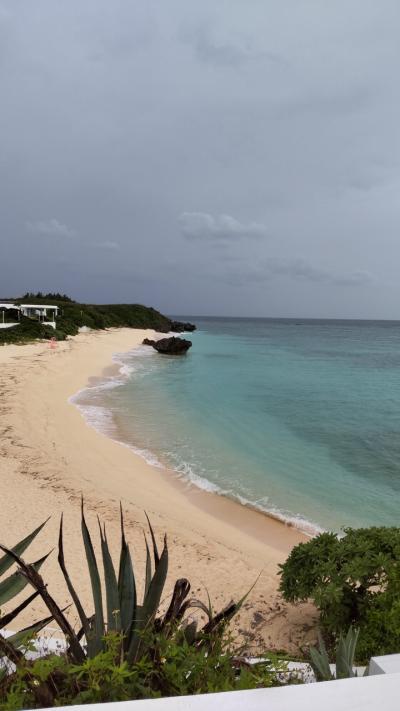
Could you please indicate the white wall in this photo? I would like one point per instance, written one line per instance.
(372, 693)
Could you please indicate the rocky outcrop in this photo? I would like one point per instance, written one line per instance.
(177, 327)
(169, 346)
(180, 326)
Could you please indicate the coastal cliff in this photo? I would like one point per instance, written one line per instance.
(73, 315)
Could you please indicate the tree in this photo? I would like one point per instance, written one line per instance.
(354, 579)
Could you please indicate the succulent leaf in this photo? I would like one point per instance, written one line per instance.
(7, 619)
(111, 585)
(15, 583)
(126, 587)
(6, 560)
(97, 633)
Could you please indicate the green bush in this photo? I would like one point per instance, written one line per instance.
(345, 654)
(352, 580)
(27, 330)
(126, 648)
(170, 667)
(11, 585)
(72, 315)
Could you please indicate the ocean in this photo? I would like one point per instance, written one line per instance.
(298, 418)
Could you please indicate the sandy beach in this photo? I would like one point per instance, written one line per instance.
(49, 456)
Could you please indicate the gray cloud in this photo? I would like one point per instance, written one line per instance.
(116, 118)
(201, 225)
(329, 104)
(50, 228)
(107, 245)
(299, 270)
(223, 51)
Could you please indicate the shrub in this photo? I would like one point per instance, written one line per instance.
(352, 580)
(344, 658)
(170, 667)
(72, 315)
(11, 585)
(126, 648)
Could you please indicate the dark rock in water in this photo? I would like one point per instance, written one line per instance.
(169, 346)
(172, 346)
(180, 326)
(176, 327)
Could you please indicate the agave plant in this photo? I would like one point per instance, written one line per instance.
(10, 586)
(345, 653)
(118, 611)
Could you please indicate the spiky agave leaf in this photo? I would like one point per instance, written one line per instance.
(195, 603)
(7, 619)
(345, 653)
(126, 587)
(6, 561)
(227, 613)
(320, 661)
(111, 585)
(147, 612)
(98, 631)
(156, 587)
(153, 539)
(20, 639)
(148, 568)
(15, 583)
(178, 604)
(86, 622)
(35, 579)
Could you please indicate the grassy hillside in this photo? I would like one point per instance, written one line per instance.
(73, 315)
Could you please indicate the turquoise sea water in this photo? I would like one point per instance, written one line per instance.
(297, 417)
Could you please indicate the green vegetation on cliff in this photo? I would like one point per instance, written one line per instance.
(72, 316)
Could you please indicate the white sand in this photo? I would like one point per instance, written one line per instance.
(49, 456)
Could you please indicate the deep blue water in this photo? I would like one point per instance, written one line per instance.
(300, 417)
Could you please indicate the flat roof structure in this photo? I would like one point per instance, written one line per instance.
(39, 306)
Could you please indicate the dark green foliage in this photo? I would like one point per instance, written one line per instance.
(11, 585)
(352, 580)
(45, 298)
(169, 667)
(134, 624)
(129, 650)
(27, 330)
(344, 658)
(71, 316)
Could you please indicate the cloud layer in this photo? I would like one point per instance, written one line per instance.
(50, 228)
(170, 151)
(287, 272)
(201, 225)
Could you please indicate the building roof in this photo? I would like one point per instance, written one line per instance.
(39, 306)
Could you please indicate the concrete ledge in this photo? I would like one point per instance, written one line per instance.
(362, 694)
(387, 664)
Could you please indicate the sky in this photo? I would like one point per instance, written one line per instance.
(224, 157)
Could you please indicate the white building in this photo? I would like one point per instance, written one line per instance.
(45, 313)
(5, 321)
(39, 311)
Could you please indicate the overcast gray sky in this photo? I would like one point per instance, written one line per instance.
(237, 157)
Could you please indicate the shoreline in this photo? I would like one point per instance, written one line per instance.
(111, 374)
(52, 455)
